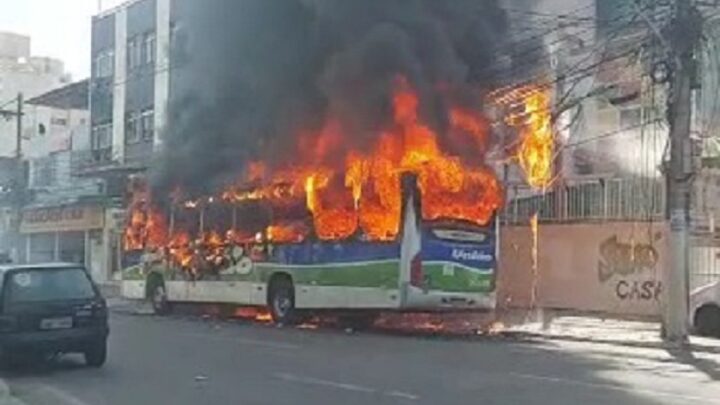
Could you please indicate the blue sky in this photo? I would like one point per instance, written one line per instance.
(59, 28)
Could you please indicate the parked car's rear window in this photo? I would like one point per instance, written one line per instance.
(49, 285)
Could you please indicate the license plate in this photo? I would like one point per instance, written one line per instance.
(56, 323)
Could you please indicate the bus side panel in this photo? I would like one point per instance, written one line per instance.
(339, 274)
(325, 297)
(235, 292)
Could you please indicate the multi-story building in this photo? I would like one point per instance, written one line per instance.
(129, 84)
(21, 72)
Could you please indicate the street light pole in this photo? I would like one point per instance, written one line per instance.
(685, 33)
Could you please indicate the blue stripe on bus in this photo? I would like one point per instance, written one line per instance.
(334, 252)
(479, 255)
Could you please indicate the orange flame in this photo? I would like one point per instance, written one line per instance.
(531, 114)
(334, 191)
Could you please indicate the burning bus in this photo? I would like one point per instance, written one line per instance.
(405, 226)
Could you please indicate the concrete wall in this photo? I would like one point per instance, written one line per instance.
(615, 268)
(64, 129)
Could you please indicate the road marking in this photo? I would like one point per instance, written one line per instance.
(63, 396)
(326, 383)
(612, 387)
(344, 386)
(403, 395)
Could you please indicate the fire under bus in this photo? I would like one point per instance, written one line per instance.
(404, 227)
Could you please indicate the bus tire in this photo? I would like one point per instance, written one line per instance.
(707, 321)
(281, 300)
(157, 294)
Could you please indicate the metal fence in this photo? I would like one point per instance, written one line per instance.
(614, 199)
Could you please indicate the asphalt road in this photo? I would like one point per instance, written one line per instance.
(193, 361)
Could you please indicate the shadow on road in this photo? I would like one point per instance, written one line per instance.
(708, 367)
(42, 367)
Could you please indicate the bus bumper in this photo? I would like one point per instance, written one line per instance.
(416, 298)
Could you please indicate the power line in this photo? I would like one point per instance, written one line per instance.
(610, 134)
(518, 67)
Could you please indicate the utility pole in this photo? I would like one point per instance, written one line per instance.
(684, 35)
(18, 182)
(18, 134)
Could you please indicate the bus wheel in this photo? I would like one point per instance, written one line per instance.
(281, 300)
(158, 298)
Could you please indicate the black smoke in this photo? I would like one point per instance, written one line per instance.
(249, 74)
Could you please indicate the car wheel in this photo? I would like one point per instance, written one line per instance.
(159, 300)
(96, 354)
(281, 301)
(707, 321)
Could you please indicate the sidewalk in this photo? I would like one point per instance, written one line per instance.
(593, 329)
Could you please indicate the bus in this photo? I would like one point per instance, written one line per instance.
(437, 265)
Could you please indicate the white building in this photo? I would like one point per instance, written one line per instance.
(22, 72)
(66, 216)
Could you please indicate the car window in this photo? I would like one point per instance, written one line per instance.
(49, 285)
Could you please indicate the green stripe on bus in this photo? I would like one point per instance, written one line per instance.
(376, 274)
(459, 279)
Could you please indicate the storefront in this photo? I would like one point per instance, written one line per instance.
(72, 233)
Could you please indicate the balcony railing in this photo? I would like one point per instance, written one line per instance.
(85, 161)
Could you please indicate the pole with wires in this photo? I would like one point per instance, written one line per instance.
(19, 182)
(684, 35)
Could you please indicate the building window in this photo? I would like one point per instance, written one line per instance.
(148, 125)
(149, 48)
(132, 127)
(101, 137)
(104, 63)
(134, 52)
(178, 43)
(101, 143)
(61, 122)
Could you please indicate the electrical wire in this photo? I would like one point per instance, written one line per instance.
(510, 75)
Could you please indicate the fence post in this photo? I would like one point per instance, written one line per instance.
(605, 200)
(515, 206)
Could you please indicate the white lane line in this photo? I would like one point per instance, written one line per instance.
(344, 386)
(325, 383)
(244, 341)
(403, 395)
(611, 387)
(58, 394)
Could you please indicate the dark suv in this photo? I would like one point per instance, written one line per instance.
(49, 309)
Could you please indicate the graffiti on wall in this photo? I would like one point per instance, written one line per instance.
(631, 267)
